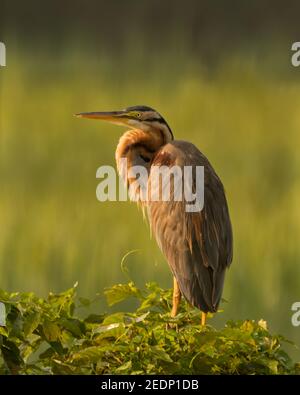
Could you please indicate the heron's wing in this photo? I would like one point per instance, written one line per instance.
(197, 245)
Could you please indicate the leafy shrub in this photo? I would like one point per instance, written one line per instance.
(44, 336)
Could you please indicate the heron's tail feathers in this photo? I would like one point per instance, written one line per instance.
(204, 288)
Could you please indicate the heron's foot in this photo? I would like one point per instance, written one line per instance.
(173, 313)
(203, 318)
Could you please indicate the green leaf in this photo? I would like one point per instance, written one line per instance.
(120, 292)
(161, 354)
(94, 318)
(3, 331)
(112, 330)
(89, 354)
(51, 331)
(75, 326)
(125, 367)
(31, 322)
(113, 318)
(273, 366)
(11, 355)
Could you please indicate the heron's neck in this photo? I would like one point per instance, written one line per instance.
(137, 147)
(151, 140)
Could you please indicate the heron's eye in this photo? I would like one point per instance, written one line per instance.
(138, 115)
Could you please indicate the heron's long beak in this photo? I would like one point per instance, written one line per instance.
(116, 117)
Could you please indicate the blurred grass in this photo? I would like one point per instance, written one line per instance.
(53, 230)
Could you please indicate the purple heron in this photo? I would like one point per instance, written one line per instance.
(197, 245)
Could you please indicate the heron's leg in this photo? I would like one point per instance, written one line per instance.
(203, 318)
(176, 297)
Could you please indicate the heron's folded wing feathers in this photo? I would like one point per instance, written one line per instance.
(197, 245)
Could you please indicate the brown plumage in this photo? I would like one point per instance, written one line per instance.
(197, 245)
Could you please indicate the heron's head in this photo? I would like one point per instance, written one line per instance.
(136, 117)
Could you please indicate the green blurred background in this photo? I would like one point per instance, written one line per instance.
(219, 72)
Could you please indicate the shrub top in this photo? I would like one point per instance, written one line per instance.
(45, 336)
